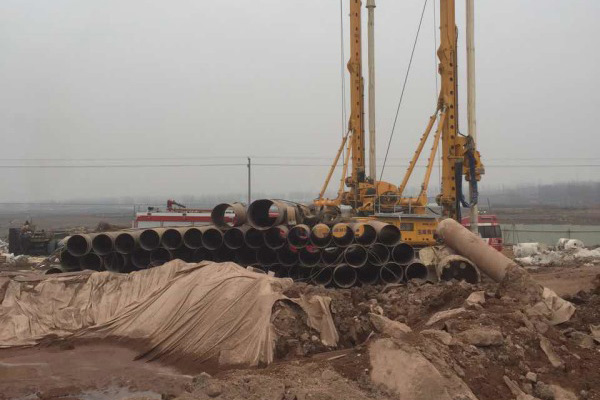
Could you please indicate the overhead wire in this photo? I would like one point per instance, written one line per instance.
(403, 89)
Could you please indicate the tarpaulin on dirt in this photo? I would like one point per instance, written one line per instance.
(217, 312)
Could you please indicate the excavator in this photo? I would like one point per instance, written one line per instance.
(370, 198)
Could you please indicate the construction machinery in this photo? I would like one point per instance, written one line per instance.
(371, 198)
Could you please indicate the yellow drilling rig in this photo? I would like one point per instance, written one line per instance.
(374, 199)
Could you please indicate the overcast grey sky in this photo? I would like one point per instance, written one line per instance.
(191, 79)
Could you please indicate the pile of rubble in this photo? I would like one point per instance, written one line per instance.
(566, 252)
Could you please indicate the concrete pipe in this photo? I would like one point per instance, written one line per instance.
(322, 276)
(140, 258)
(160, 256)
(254, 238)
(320, 235)
(212, 238)
(192, 238)
(276, 237)
(287, 257)
(172, 238)
(246, 256)
(265, 213)
(342, 234)
(79, 245)
(356, 255)
(228, 215)
(299, 236)
(202, 254)
(309, 256)
(68, 261)
(116, 262)
(387, 234)
(457, 267)
(403, 253)
(332, 256)
(378, 254)
(266, 256)
(344, 276)
(150, 238)
(184, 254)
(364, 234)
(126, 242)
(368, 274)
(416, 270)
(91, 261)
(223, 254)
(234, 238)
(391, 273)
(104, 243)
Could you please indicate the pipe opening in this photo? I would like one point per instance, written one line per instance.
(389, 235)
(332, 255)
(266, 256)
(149, 239)
(226, 215)
(246, 256)
(309, 256)
(212, 238)
(140, 259)
(233, 238)
(355, 256)
(79, 245)
(378, 254)
(222, 254)
(391, 273)
(416, 271)
(253, 238)
(115, 262)
(320, 235)
(342, 234)
(202, 254)
(171, 239)
(160, 256)
(192, 238)
(91, 261)
(124, 243)
(265, 213)
(368, 274)
(364, 234)
(287, 256)
(69, 261)
(184, 254)
(102, 244)
(276, 237)
(403, 253)
(461, 270)
(344, 276)
(299, 236)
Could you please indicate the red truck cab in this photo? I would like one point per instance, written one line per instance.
(489, 229)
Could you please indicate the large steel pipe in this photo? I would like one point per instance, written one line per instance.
(227, 215)
(332, 255)
(342, 234)
(364, 234)
(403, 253)
(356, 255)
(184, 254)
(416, 270)
(287, 257)
(254, 238)
(91, 261)
(457, 267)
(320, 235)
(103, 243)
(344, 276)
(368, 274)
(192, 238)
(79, 244)
(126, 242)
(265, 213)
(140, 258)
(391, 273)
(116, 262)
(322, 276)
(387, 234)
(266, 256)
(309, 256)
(234, 238)
(378, 254)
(68, 261)
(150, 238)
(212, 238)
(223, 254)
(160, 256)
(282, 271)
(172, 238)
(276, 237)
(246, 256)
(202, 254)
(299, 236)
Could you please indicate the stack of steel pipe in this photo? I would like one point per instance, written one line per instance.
(271, 235)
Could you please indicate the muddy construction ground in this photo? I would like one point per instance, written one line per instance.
(490, 345)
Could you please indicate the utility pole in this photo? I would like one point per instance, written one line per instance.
(371, 42)
(474, 217)
(249, 180)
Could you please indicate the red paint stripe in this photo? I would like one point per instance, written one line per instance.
(174, 218)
